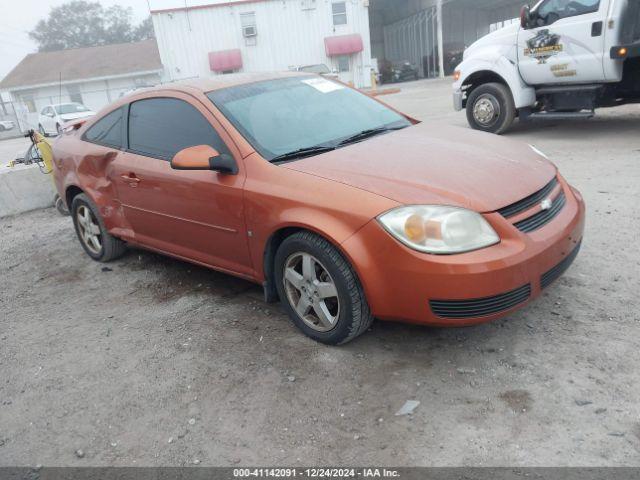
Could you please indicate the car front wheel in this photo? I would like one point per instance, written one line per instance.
(490, 108)
(93, 236)
(319, 290)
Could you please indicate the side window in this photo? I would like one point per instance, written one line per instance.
(108, 130)
(161, 127)
(553, 10)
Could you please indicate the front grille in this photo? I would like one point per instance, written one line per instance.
(480, 307)
(543, 217)
(528, 202)
(549, 277)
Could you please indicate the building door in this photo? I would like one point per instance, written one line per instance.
(344, 64)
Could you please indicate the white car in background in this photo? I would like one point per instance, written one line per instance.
(53, 117)
(6, 125)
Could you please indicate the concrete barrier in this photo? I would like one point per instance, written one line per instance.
(24, 188)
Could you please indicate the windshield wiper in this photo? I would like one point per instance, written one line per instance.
(303, 152)
(372, 132)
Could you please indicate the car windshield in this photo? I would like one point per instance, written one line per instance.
(287, 115)
(66, 108)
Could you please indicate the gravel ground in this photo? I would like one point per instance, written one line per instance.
(151, 361)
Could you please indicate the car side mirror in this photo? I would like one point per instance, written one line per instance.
(204, 157)
(525, 17)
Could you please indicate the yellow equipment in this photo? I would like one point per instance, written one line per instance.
(41, 155)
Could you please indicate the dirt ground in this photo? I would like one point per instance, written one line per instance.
(151, 361)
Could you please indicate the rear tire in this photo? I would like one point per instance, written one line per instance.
(331, 299)
(88, 224)
(490, 108)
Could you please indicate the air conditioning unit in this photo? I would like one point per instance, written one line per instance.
(249, 31)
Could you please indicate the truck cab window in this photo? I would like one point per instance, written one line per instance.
(551, 11)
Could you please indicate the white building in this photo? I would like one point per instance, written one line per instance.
(263, 35)
(94, 76)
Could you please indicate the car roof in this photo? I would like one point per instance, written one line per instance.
(224, 81)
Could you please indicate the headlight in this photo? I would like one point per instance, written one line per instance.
(439, 229)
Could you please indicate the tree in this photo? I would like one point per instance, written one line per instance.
(81, 23)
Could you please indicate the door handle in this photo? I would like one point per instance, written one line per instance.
(131, 179)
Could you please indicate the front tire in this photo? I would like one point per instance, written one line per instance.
(58, 129)
(490, 108)
(320, 290)
(93, 235)
(42, 130)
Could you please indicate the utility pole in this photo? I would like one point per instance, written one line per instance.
(440, 39)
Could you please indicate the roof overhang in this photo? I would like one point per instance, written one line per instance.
(80, 80)
(343, 45)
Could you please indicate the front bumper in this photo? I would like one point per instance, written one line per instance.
(404, 285)
(457, 99)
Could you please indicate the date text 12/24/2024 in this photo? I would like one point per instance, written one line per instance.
(315, 473)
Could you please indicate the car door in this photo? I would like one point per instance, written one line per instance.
(566, 45)
(197, 215)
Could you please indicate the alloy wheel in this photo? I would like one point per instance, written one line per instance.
(311, 291)
(89, 229)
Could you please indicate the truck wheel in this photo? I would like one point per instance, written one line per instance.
(319, 290)
(490, 108)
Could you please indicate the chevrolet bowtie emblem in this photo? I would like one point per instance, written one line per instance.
(546, 204)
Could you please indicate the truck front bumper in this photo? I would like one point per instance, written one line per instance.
(457, 100)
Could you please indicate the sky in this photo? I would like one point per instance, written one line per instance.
(17, 17)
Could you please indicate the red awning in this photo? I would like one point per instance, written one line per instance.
(343, 45)
(225, 60)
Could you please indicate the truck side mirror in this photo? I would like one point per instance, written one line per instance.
(525, 17)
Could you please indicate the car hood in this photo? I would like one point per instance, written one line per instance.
(74, 116)
(433, 164)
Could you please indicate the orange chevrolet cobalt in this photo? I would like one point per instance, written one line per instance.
(341, 207)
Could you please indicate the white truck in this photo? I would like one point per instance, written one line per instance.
(564, 59)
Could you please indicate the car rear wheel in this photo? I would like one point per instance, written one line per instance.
(93, 236)
(319, 290)
(490, 108)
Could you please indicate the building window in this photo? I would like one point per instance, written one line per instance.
(308, 4)
(339, 11)
(74, 93)
(249, 29)
(343, 63)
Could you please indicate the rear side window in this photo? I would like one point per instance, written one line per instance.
(161, 127)
(108, 130)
